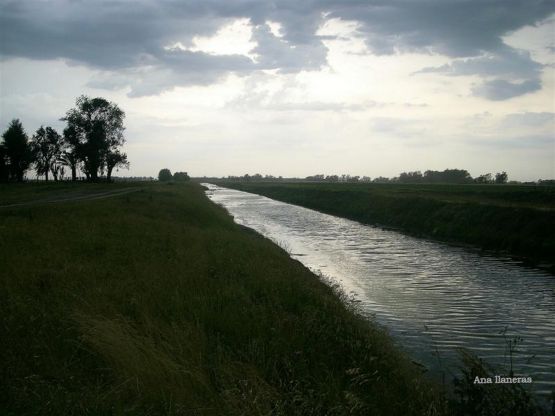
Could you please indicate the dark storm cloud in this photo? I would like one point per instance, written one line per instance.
(458, 28)
(130, 36)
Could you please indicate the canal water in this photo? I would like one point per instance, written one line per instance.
(432, 298)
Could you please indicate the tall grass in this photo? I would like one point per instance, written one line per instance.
(155, 302)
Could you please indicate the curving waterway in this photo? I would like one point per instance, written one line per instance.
(433, 298)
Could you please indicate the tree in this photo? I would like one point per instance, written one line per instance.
(164, 175)
(70, 155)
(410, 177)
(97, 126)
(17, 150)
(46, 145)
(501, 177)
(181, 176)
(447, 176)
(485, 178)
(115, 159)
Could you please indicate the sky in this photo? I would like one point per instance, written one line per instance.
(295, 88)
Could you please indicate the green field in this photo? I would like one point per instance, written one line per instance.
(514, 220)
(155, 302)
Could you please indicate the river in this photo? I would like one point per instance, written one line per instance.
(433, 298)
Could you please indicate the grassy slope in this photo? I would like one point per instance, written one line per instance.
(517, 220)
(155, 302)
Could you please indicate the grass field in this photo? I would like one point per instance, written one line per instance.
(155, 302)
(31, 193)
(515, 220)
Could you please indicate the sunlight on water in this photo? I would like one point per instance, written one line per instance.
(433, 298)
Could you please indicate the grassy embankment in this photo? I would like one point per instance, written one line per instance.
(508, 219)
(155, 302)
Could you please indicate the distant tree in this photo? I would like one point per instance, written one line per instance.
(447, 176)
(485, 178)
(18, 152)
(164, 175)
(410, 177)
(46, 145)
(181, 176)
(501, 177)
(316, 178)
(98, 128)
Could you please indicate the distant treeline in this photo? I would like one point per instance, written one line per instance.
(90, 144)
(454, 176)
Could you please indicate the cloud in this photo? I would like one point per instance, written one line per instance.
(508, 73)
(503, 143)
(275, 52)
(529, 119)
(500, 89)
(400, 128)
(457, 28)
(129, 37)
(506, 62)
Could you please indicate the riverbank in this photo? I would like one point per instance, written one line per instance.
(156, 302)
(508, 220)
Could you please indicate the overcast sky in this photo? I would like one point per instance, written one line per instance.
(295, 87)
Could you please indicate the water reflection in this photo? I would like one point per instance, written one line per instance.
(433, 298)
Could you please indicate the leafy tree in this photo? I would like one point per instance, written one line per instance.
(97, 131)
(180, 176)
(410, 177)
(56, 143)
(447, 176)
(70, 156)
(115, 159)
(17, 150)
(501, 177)
(164, 175)
(485, 178)
(47, 150)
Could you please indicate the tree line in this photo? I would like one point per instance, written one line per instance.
(90, 143)
(451, 176)
(454, 176)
